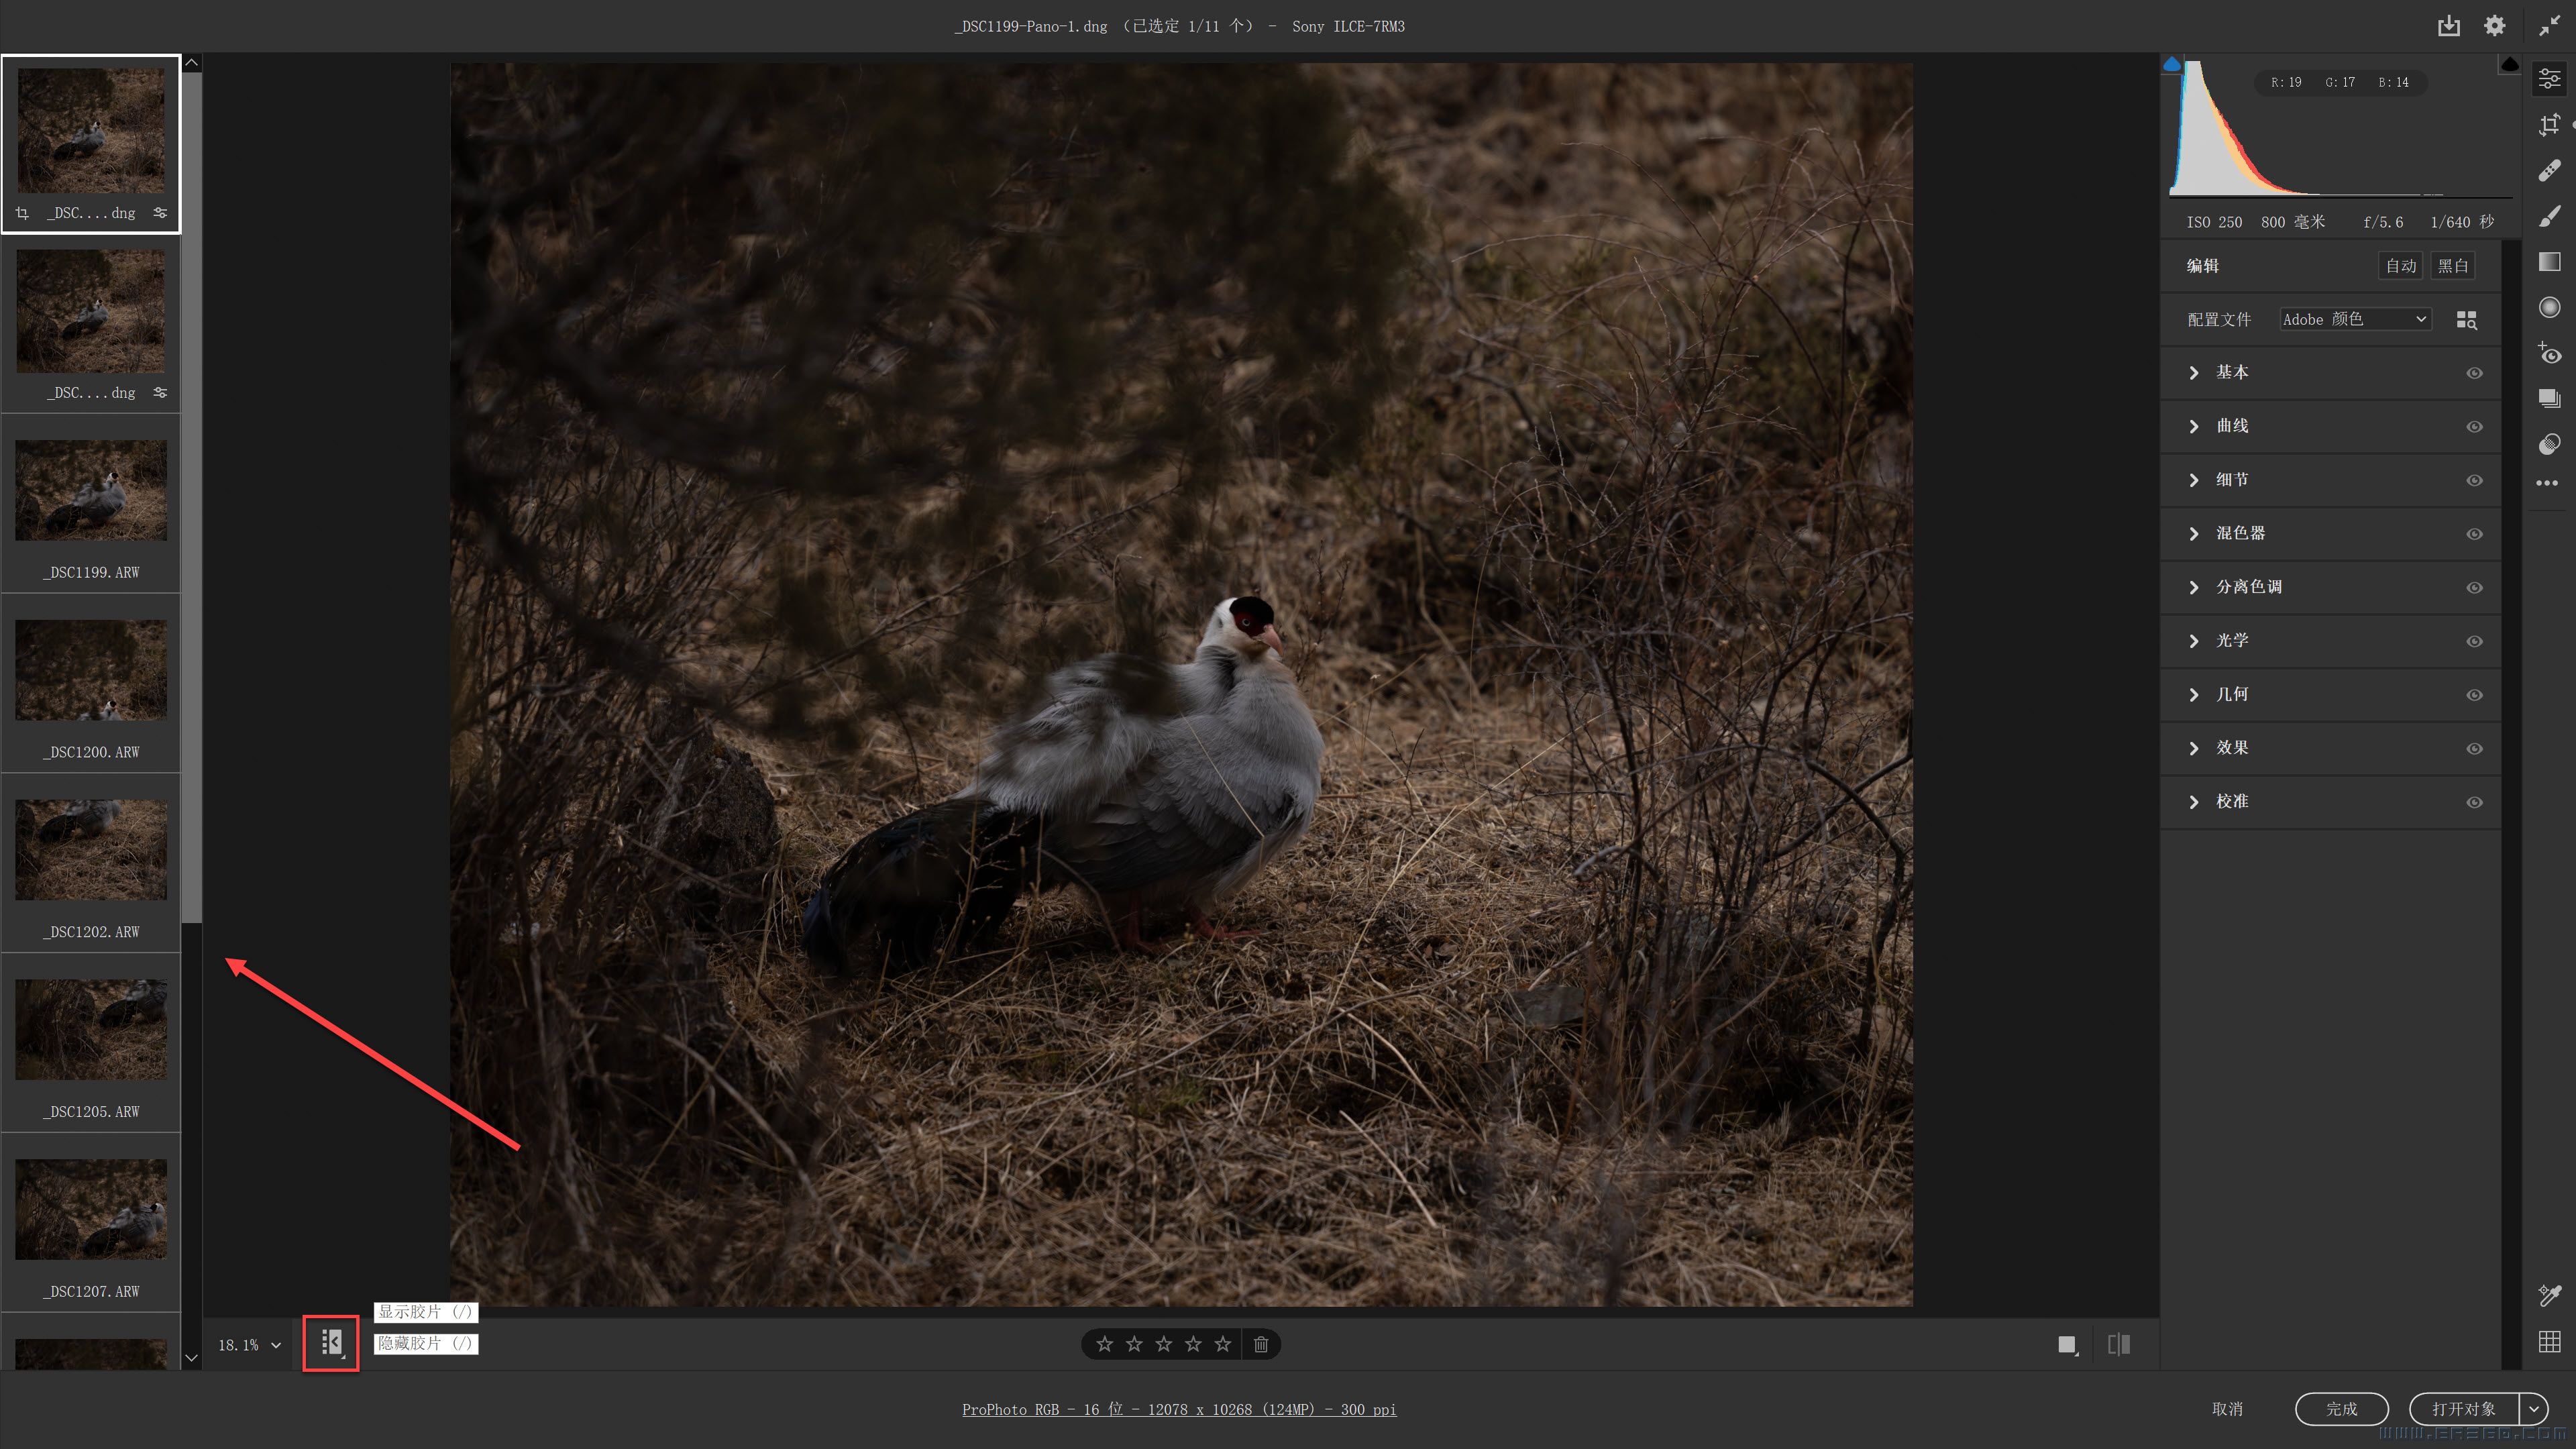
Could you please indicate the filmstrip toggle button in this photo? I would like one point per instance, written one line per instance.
(331, 1342)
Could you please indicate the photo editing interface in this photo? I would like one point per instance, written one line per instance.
(1219, 717)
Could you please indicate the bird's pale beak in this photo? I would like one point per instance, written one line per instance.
(1270, 636)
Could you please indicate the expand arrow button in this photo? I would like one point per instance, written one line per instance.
(2195, 694)
(2195, 586)
(2195, 533)
(2195, 372)
(2195, 425)
(2195, 802)
(2195, 641)
(2195, 747)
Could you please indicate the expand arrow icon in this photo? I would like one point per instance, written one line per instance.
(242, 968)
(2195, 372)
(2195, 586)
(2195, 802)
(2195, 533)
(2195, 694)
(2195, 481)
(2195, 747)
(2195, 425)
(2195, 641)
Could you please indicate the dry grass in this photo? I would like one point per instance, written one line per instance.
(68, 667)
(1350, 1109)
(54, 285)
(49, 472)
(60, 1203)
(1344, 1111)
(60, 1040)
(93, 1353)
(133, 162)
(128, 861)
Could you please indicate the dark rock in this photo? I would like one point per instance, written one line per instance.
(1560, 1005)
(727, 834)
(25, 854)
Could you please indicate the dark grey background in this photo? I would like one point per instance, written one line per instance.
(2042, 1037)
(1526, 1402)
(1433, 28)
(361, 938)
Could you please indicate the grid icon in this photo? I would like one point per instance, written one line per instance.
(2549, 1340)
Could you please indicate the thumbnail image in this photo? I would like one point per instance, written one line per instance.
(93, 669)
(70, 491)
(93, 1353)
(92, 850)
(92, 130)
(89, 311)
(93, 1031)
(93, 1208)
(1202, 687)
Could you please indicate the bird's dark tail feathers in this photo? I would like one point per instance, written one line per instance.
(938, 878)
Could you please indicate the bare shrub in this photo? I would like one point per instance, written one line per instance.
(57, 1030)
(1690, 524)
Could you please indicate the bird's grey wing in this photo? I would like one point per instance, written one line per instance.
(1095, 729)
(1182, 816)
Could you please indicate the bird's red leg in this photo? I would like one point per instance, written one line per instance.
(1209, 930)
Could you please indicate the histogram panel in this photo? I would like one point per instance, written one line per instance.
(2396, 126)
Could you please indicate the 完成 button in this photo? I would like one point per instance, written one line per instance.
(2348, 1410)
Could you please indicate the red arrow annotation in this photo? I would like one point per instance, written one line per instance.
(242, 968)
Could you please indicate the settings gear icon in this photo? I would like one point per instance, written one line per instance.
(2495, 25)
